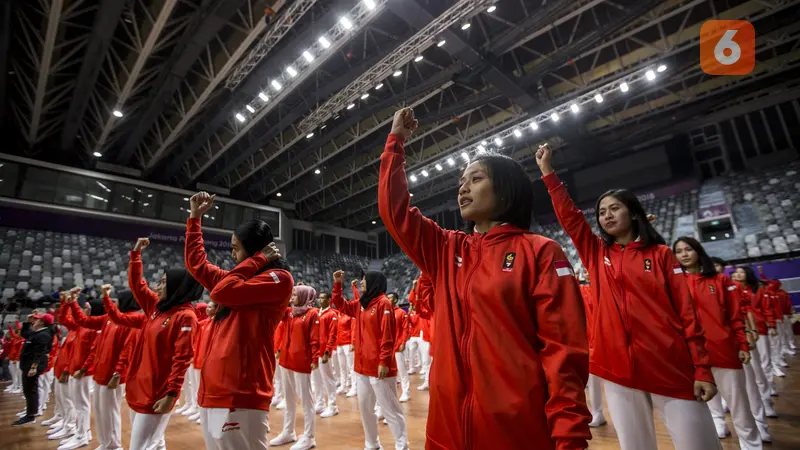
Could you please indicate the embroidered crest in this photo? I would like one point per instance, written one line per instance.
(372, 313)
(508, 261)
(166, 321)
(711, 288)
(153, 316)
(648, 265)
(563, 268)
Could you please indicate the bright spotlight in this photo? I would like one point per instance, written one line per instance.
(317, 172)
(465, 156)
(517, 133)
(441, 43)
(97, 154)
(413, 178)
(351, 106)
(661, 68)
(371, 5)
(418, 58)
(263, 96)
(365, 96)
(450, 161)
(397, 73)
(310, 135)
(117, 113)
(465, 26)
(308, 56)
(291, 71)
(491, 9)
(650, 75)
(380, 85)
(346, 23)
(534, 126)
(239, 117)
(575, 108)
(250, 108)
(555, 117)
(438, 167)
(324, 42)
(624, 87)
(598, 98)
(276, 85)
(498, 141)
(424, 173)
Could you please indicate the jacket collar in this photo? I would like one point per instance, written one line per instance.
(496, 235)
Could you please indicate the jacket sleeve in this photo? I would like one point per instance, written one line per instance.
(561, 329)
(356, 292)
(333, 333)
(403, 328)
(314, 338)
(347, 307)
(734, 313)
(89, 362)
(388, 333)
(67, 320)
(182, 353)
(144, 296)
(92, 323)
(572, 220)
(410, 229)
(131, 319)
(682, 303)
(240, 289)
(424, 297)
(125, 356)
(194, 257)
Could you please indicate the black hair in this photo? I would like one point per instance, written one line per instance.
(706, 264)
(719, 261)
(513, 190)
(254, 234)
(750, 278)
(642, 228)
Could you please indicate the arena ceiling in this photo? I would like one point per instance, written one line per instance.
(294, 110)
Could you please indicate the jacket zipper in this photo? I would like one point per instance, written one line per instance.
(467, 412)
(628, 330)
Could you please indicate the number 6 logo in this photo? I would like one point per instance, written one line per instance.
(727, 47)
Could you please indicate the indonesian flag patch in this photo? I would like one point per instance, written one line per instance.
(677, 270)
(564, 268)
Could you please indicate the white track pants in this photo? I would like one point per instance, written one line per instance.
(414, 354)
(58, 408)
(732, 388)
(755, 397)
(188, 389)
(383, 392)
(107, 418)
(298, 384)
(239, 429)
(79, 393)
(402, 373)
(425, 351)
(45, 384)
(595, 387)
(195, 388)
(16, 375)
(788, 333)
(147, 431)
(688, 422)
(756, 370)
(67, 404)
(328, 384)
(346, 361)
(776, 347)
(765, 353)
(277, 385)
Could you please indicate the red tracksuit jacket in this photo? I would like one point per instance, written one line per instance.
(373, 332)
(328, 331)
(240, 363)
(716, 299)
(107, 346)
(588, 305)
(645, 328)
(421, 298)
(133, 321)
(301, 347)
(64, 357)
(280, 335)
(84, 340)
(202, 342)
(344, 334)
(762, 310)
(164, 349)
(401, 328)
(414, 324)
(511, 359)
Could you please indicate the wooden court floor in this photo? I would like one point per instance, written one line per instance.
(345, 432)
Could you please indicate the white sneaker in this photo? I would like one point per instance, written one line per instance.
(75, 442)
(189, 411)
(598, 421)
(56, 427)
(772, 391)
(405, 397)
(769, 411)
(200, 423)
(281, 405)
(351, 393)
(329, 412)
(65, 432)
(305, 443)
(319, 409)
(784, 365)
(181, 409)
(722, 434)
(765, 436)
(778, 372)
(424, 387)
(412, 372)
(195, 416)
(51, 421)
(283, 439)
(275, 401)
(341, 390)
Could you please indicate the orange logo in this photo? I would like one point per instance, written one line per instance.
(727, 47)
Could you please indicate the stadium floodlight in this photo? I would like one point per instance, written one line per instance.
(498, 141)
(365, 96)
(239, 117)
(263, 96)
(424, 173)
(661, 68)
(97, 154)
(441, 43)
(397, 73)
(117, 113)
(491, 9)
(371, 5)
(438, 167)
(413, 178)
(291, 71)
(380, 85)
(534, 126)
(598, 97)
(324, 42)
(276, 85)
(308, 56)
(575, 108)
(450, 161)
(624, 87)
(418, 58)
(250, 108)
(346, 23)
(555, 117)
(650, 75)
(517, 133)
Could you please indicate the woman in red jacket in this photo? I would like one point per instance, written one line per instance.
(163, 352)
(375, 368)
(400, 339)
(236, 380)
(344, 353)
(299, 356)
(773, 292)
(192, 382)
(717, 302)
(414, 338)
(63, 424)
(512, 359)
(201, 343)
(323, 379)
(649, 346)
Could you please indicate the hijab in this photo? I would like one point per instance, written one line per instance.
(376, 286)
(126, 302)
(181, 288)
(307, 295)
(200, 311)
(97, 308)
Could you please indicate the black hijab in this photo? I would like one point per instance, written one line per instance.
(181, 288)
(126, 302)
(97, 308)
(376, 285)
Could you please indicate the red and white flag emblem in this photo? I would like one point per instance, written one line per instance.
(677, 270)
(564, 268)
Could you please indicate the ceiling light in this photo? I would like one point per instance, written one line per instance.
(498, 141)
(481, 148)
(278, 194)
(263, 96)
(484, 143)
(351, 106)
(465, 156)
(324, 42)
(418, 58)
(555, 117)
(365, 96)
(239, 117)
(310, 135)
(410, 194)
(380, 85)
(308, 56)
(346, 23)
(650, 75)
(397, 73)
(317, 172)
(534, 126)
(517, 133)
(290, 70)
(250, 108)
(151, 195)
(491, 9)
(465, 26)
(97, 154)
(373, 222)
(371, 5)
(441, 43)
(413, 178)
(186, 199)
(575, 108)
(117, 113)
(450, 161)
(661, 68)
(424, 173)
(276, 85)
(598, 98)
(438, 167)
(624, 87)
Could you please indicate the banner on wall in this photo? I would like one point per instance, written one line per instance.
(110, 227)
